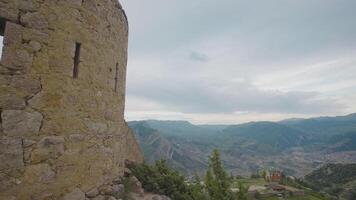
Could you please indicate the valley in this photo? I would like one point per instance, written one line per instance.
(296, 146)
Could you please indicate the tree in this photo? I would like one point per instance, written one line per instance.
(197, 189)
(264, 174)
(217, 181)
(242, 193)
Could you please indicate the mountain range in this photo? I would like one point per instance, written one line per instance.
(296, 146)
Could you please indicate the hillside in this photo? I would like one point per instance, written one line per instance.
(289, 145)
(337, 180)
(156, 145)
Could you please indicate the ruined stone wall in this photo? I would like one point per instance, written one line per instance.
(60, 133)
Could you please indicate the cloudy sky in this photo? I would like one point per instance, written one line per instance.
(232, 61)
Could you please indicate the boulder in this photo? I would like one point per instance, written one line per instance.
(92, 193)
(136, 185)
(118, 189)
(106, 190)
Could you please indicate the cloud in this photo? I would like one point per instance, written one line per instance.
(212, 61)
(195, 56)
(204, 96)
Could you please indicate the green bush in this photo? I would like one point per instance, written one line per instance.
(160, 179)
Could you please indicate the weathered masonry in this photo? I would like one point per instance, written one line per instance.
(62, 97)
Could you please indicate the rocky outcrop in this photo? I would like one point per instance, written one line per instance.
(63, 134)
(120, 189)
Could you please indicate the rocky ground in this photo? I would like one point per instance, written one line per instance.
(123, 188)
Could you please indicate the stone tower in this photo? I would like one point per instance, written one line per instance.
(62, 97)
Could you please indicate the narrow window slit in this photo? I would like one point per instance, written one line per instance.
(116, 76)
(76, 60)
(2, 33)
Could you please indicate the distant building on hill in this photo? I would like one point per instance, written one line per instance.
(273, 175)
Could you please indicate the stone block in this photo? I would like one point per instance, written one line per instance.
(6, 182)
(96, 127)
(36, 35)
(75, 138)
(28, 143)
(73, 2)
(76, 194)
(111, 198)
(28, 5)
(36, 46)
(12, 102)
(9, 14)
(34, 20)
(22, 59)
(28, 87)
(100, 197)
(45, 196)
(11, 154)
(19, 123)
(112, 116)
(48, 147)
(39, 174)
(18, 59)
(13, 34)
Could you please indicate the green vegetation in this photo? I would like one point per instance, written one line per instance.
(336, 180)
(127, 189)
(218, 185)
(161, 179)
(294, 198)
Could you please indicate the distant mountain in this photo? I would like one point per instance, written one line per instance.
(324, 126)
(179, 128)
(296, 146)
(213, 127)
(337, 180)
(275, 136)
